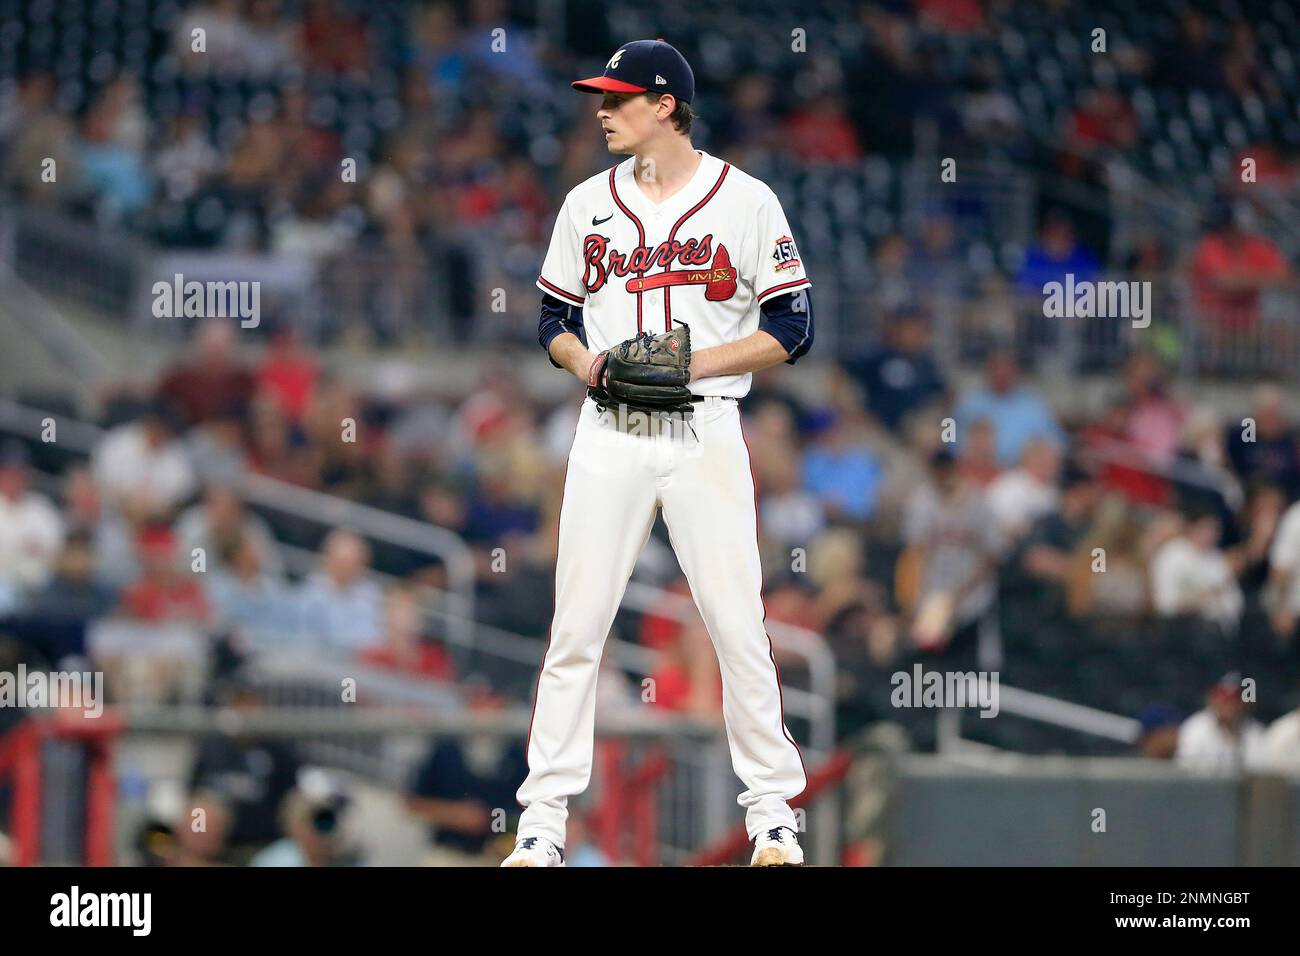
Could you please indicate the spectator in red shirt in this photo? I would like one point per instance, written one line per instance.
(820, 132)
(1138, 437)
(951, 16)
(1230, 268)
(163, 594)
(1103, 120)
(1106, 442)
(1101, 124)
(662, 631)
(333, 40)
(521, 200)
(686, 678)
(289, 373)
(1156, 416)
(511, 197)
(404, 647)
(213, 382)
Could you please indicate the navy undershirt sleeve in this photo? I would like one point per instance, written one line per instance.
(789, 319)
(558, 316)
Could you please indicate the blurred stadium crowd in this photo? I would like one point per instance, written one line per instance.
(464, 140)
(1142, 559)
(1114, 583)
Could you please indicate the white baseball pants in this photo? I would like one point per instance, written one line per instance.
(622, 467)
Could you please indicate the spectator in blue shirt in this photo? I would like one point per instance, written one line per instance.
(1057, 252)
(841, 471)
(249, 599)
(1016, 411)
(342, 608)
(112, 164)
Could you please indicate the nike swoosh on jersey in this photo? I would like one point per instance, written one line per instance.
(597, 222)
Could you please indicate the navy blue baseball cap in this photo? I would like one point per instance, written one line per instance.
(644, 66)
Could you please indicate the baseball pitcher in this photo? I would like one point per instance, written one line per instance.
(669, 280)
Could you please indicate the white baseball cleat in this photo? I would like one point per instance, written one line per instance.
(777, 847)
(534, 851)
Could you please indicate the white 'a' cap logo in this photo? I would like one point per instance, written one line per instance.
(613, 61)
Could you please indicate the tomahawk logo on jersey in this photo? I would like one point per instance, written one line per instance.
(710, 255)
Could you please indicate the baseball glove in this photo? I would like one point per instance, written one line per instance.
(647, 373)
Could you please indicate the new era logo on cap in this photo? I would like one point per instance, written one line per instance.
(641, 65)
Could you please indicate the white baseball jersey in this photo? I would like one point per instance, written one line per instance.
(708, 256)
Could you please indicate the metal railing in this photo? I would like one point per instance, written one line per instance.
(815, 705)
(1262, 340)
(1040, 708)
(385, 526)
(397, 740)
(302, 503)
(660, 817)
(56, 251)
(48, 327)
(851, 306)
(296, 681)
(691, 775)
